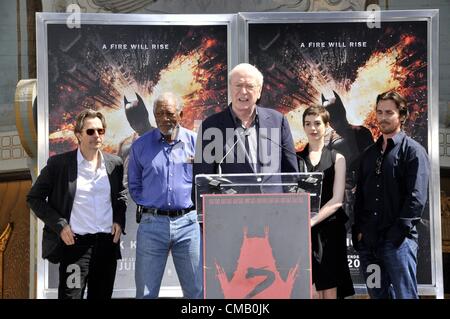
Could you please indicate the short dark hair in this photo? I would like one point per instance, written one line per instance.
(88, 113)
(399, 101)
(317, 110)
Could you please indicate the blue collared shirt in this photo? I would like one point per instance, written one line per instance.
(159, 173)
(392, 188)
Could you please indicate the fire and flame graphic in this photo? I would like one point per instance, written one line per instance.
(382, 72)
(296, 77)
(195, 70)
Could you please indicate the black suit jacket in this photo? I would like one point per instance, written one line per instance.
(52, 195)
(278, 143)
(282, 142)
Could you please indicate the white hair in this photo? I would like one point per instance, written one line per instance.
(167, 96)
(248, 68)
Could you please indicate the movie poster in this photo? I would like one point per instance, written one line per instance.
(345, 66)
(120, 70)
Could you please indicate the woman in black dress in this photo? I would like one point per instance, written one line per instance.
(330, 272)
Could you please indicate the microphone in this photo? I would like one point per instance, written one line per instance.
(239, 136)
(305, 169)
(217, 182)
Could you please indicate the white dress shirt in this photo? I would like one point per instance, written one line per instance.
(92, 210)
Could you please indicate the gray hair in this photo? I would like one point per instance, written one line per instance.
(250, 69)
(166, 96)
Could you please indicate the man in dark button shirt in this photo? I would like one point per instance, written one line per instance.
(391, 194)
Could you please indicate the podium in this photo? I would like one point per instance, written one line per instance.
(256, 234)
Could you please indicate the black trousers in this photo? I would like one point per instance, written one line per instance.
(90, 261)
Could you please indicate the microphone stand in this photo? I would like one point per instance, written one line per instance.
(239, 136)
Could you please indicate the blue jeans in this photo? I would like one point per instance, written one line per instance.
(398, 268)
(156, 236)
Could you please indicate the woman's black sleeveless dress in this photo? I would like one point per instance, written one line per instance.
(328, 238)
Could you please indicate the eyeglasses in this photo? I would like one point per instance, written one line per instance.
(91, 131)
(378, 164)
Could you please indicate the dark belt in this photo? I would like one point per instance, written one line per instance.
(170, 213)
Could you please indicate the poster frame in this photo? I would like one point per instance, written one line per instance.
(238, 51)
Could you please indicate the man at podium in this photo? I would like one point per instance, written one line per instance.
(245, 137)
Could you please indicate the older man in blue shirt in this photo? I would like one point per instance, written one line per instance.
(160, 182)
(391, 195)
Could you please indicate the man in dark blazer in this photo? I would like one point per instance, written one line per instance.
(245, 138)
(81, 199)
